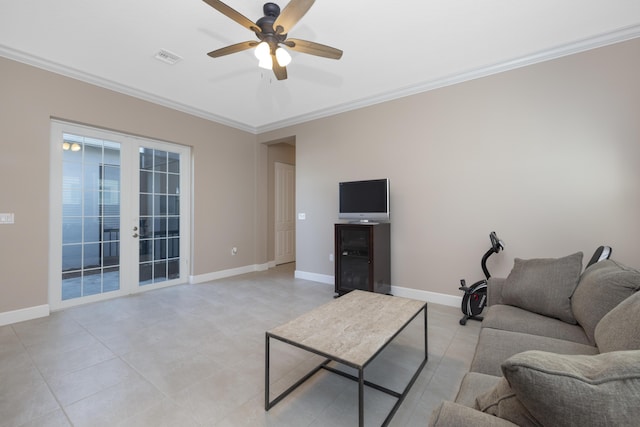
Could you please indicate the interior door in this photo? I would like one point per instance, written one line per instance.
(119, 215)
(285, 225)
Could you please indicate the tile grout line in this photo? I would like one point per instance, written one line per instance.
(44, 379)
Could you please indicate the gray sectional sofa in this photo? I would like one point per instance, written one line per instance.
(557, 348)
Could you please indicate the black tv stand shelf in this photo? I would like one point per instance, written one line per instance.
(363, 257)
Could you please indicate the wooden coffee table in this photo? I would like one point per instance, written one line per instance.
(351, 330)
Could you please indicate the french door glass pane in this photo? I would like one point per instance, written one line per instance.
(159, 216)
(90, 216)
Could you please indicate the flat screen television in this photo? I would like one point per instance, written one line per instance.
(364, 200)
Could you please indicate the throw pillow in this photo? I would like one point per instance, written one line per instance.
(577, 390)
(502, 402)
(620, 328)
(544, 286)
(602, 287)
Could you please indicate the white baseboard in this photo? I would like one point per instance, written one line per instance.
(23, 314)
(314, 277)
(201, 278)
(428, 296)
(15, 316)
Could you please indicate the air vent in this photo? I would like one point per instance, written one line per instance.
(168, 57)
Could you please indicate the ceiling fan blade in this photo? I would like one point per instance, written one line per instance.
(313, 48)
(238, 47)
(291, 14)
(279, 71)
(233, 14)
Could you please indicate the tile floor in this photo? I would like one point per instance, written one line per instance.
(193, 355)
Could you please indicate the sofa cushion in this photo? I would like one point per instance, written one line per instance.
(620, 328)
(544, 286)
(494, 290)
(510, 318)
(495, 346)
(474, 384)
(502, 402)
(576, 389)
(449, 414)
(602, 286)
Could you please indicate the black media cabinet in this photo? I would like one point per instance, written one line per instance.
(363, 257)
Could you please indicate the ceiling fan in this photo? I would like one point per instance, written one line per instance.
(272, 30)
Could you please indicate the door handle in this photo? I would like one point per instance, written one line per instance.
(135, 234)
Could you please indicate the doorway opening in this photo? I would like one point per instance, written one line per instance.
(281, 159)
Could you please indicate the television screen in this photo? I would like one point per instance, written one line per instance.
(364, 200)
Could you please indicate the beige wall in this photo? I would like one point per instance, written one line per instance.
(548, 156)
(224, 169)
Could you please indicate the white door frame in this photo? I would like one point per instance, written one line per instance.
(129, 147)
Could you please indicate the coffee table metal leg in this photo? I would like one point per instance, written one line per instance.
(426, 338)
(268, 404)
(402, 396)
(266, 373)
(361, 396)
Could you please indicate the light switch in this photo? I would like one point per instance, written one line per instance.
(6, 218)
(302, 216)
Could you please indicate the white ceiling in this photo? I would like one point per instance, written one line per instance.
(391, 49)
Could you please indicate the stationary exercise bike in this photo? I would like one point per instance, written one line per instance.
(475, 296)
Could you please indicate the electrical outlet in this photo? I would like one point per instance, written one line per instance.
(234, 251)
(6, 218)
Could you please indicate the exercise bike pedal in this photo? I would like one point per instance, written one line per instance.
(464, 319)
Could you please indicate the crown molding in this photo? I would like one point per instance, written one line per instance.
(73, 73)
(612, 37)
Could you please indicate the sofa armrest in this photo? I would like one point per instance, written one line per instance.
(494, 290)
(454, 414)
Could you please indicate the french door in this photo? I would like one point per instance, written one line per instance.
(120, 214)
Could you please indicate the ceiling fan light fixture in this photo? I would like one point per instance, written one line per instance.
(283, 57)
(266, 63)
(263, 51)
(272, 31)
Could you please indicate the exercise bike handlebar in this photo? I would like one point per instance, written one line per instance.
(496, 246)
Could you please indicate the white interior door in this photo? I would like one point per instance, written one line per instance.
(285, 225)
(119, 215)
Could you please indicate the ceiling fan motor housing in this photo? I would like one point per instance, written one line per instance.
(268, 33)
(271, 9)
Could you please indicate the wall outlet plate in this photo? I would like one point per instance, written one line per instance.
(7, 218)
